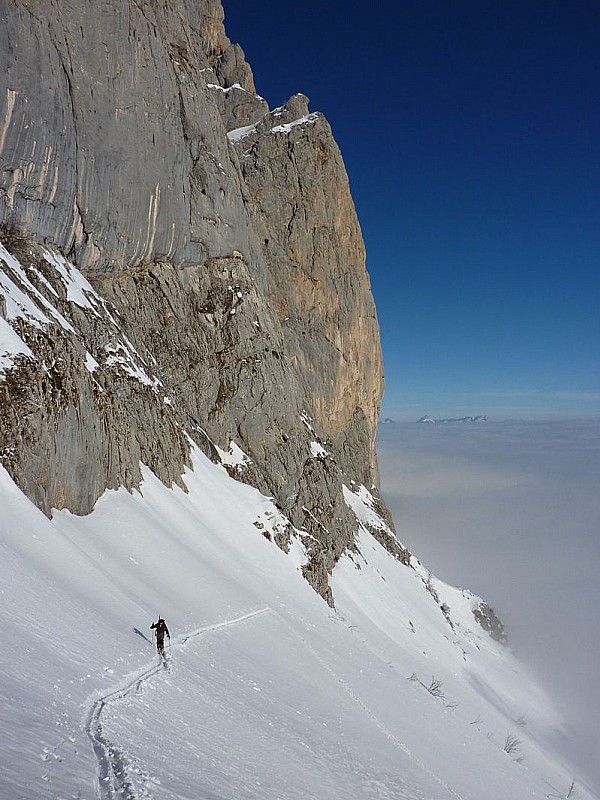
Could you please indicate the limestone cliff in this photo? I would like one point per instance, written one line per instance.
(225, 295)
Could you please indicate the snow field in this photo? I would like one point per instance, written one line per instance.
(268, 693)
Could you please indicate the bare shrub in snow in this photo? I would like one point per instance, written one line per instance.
(512, 744)
(435, 687)
(555, 794)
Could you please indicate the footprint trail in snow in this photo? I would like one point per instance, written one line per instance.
(113, 765)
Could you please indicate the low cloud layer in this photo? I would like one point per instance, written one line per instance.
(512, 511)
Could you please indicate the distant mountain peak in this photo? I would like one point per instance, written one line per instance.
(428, 419)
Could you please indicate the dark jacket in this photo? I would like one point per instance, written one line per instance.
(160, 628)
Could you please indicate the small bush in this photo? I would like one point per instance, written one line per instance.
(435, 687)
(512, 744)
(555, 794)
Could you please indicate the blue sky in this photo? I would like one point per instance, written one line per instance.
(471, 134)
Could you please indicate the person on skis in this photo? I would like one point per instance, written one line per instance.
(160, 628)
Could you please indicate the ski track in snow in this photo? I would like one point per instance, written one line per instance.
(113, 781)
(113, 764)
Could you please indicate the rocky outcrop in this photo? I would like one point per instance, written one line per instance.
(490, 622)
(228, 299)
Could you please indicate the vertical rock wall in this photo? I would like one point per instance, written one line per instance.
(222, 245)
(111, 148)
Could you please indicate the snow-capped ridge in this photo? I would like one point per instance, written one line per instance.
(370, 517)
(259, 129)
(429, 420)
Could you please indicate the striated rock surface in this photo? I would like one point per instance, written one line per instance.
(225, 295)
(110, 145)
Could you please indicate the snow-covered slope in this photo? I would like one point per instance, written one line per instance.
(267, 693)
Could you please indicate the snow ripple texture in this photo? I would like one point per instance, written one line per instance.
(448, 791)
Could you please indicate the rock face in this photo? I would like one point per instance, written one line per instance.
(225, 296)
(110, 144)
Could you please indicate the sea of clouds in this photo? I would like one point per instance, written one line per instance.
(511, 510)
